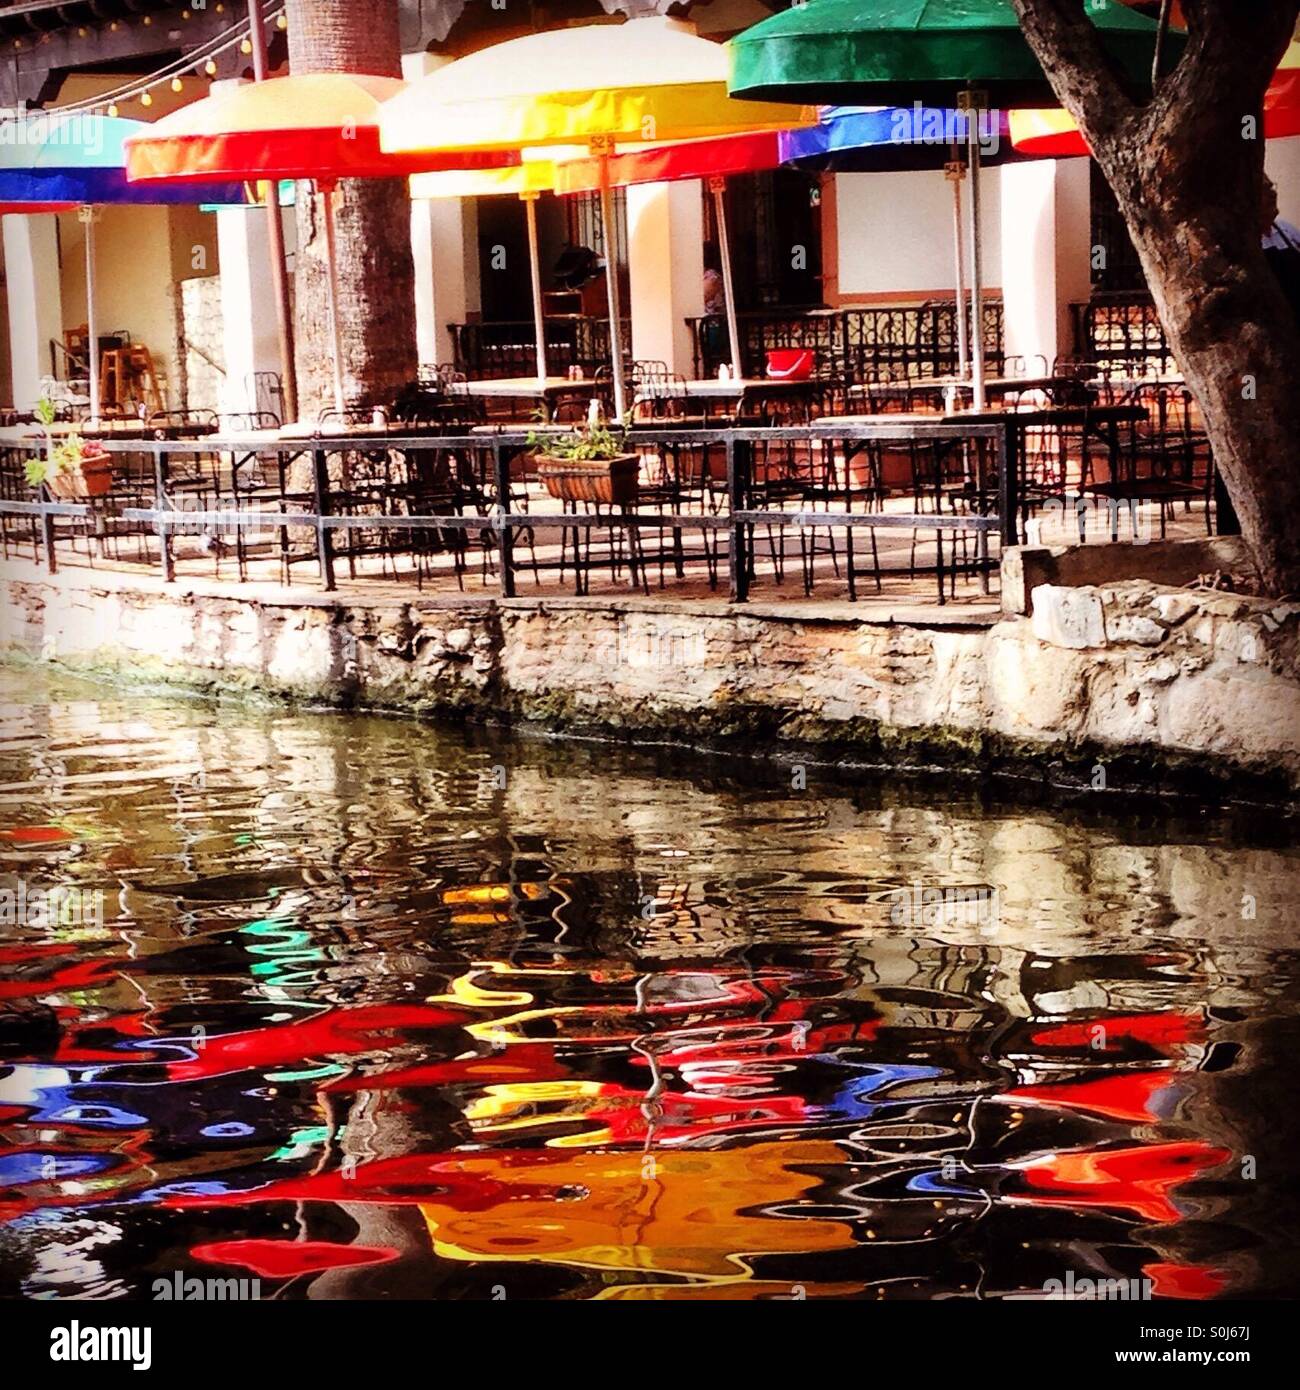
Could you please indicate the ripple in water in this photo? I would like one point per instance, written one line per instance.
(361, 1008)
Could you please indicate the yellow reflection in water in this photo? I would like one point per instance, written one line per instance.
(691, 1213)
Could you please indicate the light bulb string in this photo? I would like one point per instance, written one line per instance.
(204, 53)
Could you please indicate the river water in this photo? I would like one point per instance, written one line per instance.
(354, 1007)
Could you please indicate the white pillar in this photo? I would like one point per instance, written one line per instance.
(665, 229)
(250, 332)
(444, 244)
(35, 302)
(1046, 254)
(1282, 165)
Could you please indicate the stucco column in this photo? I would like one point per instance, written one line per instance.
(444, 244)
(665, 230)
(1046, 254)
(250, 337)
(35, 302)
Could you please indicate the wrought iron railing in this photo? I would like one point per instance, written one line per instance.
(861, 344)
(488, 351)
(322, 502)
(1123, 335)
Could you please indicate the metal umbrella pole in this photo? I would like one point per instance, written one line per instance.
(601, 149)
(535, 269)
(972, 103)
(331, 257)
(718, 187)
(955, 172)
(87, 217)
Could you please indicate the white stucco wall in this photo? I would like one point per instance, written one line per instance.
(1282, 164)
(895, 233)
(142, 254)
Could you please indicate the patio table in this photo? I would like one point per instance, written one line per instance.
(546, 393)
(994, 386)
(737, 392)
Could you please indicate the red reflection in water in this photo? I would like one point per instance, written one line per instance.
(340, 1031)
(283, 1259)
(1129, 1096)
(1185, 1281)
(89, 974)
(1137, 1179)
(13, 955)
(38, 835)
(1160, 1031)
(523, 1062)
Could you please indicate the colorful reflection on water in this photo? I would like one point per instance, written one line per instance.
(370, 1009)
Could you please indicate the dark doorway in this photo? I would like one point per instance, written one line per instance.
(776, 243)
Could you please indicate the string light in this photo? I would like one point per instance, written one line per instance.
(203, 58)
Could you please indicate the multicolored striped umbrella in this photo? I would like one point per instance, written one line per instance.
(53, 161)
(648, 81)
(320, 127)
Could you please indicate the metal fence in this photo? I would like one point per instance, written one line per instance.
(860, 344)
(420, 499)
(488, 351)
(1122, 334)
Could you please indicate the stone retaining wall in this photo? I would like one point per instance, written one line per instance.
(1130, 682)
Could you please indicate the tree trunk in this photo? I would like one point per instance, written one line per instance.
(1186, 163)
(376, 273)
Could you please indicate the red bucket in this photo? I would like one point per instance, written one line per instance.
(790, 364)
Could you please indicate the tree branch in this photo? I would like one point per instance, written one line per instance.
(1085, 79)
(1235, 46)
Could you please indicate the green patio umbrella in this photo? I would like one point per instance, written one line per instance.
(897, 52)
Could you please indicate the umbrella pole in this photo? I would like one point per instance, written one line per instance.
(956, 171)
(971, 107)
(718, 187)
(602, 150)
(535, 265)
(92, 324)
(331, 257)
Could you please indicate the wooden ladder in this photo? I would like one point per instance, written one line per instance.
(127, 379)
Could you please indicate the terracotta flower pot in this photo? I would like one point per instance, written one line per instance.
(93, 478)
(609, 481)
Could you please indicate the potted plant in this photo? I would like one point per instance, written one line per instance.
(73, 469)
(589, 463)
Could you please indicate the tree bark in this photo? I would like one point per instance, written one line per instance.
(1186, 163)
(376, 272)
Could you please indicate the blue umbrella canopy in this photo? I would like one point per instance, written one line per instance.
(879, 139)
(79, 157)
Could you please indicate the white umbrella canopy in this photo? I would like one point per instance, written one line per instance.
(596, 85)
(527, 180)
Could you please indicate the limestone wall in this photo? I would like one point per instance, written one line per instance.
(1136, 680)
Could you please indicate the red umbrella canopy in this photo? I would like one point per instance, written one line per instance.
(321, 126)
(29, 209)
(720, 157)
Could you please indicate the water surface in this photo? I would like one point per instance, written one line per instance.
(364, 1008)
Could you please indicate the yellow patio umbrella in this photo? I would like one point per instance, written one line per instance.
(528, 181)
(651, 80)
